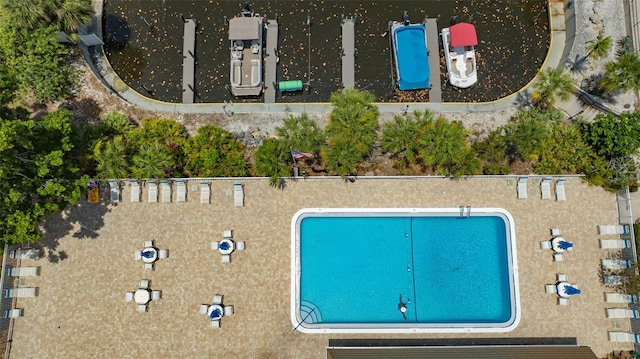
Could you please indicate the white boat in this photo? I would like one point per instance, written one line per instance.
(460, 55)
(410, 54)
(245, 36)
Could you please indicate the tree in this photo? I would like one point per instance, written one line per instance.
(614, 137)
(302, 134)
(565, 151)
(444, 147)
(273, 159)
(153, 160)
(65, 15)
(164, 131)
(111, 157)
(550, 85)
(212, 152)
(492, 153)
(622, 74)
(400, 137)
(527, 136)
(599, 47)
(36, 176)
(342, 157)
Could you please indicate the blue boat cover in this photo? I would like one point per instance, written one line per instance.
(410, 46)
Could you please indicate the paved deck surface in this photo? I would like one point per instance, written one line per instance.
(89, 265)
(272, 62)
(348, 53)
(433, 44)
(188, 61)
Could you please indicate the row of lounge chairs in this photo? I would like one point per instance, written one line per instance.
(545, 188)
(166, 192)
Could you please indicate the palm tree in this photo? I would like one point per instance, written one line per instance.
(445, 148)
(342, 157)
(273, 159)
(70, 14)
(354, 117)
(301, 133)
(552, 84)
(111, 158)
(152, 161)
(528, 137)
(599, 47)
(67, 15)
(622, 74)
(28, 14)
(400, 138)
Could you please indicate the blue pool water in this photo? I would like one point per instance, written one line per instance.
(448, 271)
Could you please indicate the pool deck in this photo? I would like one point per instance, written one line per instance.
(90, 266)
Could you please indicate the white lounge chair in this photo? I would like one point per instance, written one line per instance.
(217, 299)
(148, 266)
(561, 277)
(228, 310)
(147, 244)
(228, 234)
(31, 253)
(204, 308)
(522, 187)
(214, 245)
(23, 271)
(558, 257)
(156, 294)
(215, 324)
(205, 192)
(21, 293)
(142, 308)
(545, 245)
(137, 255)
(240, 246)
(613, 229)
(613, 280)
(562, 301)
(135, 191)
(623, 337)
(128, 296)
(114, 190)
(226, 258)
(163, 253)
(555, 232)
(560, 195)
(182, 191)
(550, 288)
(616, 263)
(620, 298)
(153, 192)
(144, 284)
(14, 313)
(622, 313)
(238, 195)
(166, 192)
(614, 243)
(545, 188)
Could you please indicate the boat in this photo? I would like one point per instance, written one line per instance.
(245, 36)
(460, 55)
(410, 54)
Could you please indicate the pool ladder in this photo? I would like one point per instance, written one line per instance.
(462, 215)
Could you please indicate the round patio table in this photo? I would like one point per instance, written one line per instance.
(555, 244)
(226, 246)
(151, 257)
(142, 296)
(215, 312)
(562, 287)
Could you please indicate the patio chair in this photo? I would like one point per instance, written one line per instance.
(620, 298)
(21, 293)
(240, 246)
(545, 188)
(14, 313)
(612, 280)
(147, 244)
(560, 195)
(228, 310)
(522, 188)
(562, 301)
(148, 266)
(555, 232)
(214, 245)
(614, 243)
(142, 308)
(153, 192)
(226, 258)
(163, 253)
(613, 229)
(137, 255)
(623, 337)
(545, 245)
(550, 288)
(561, 277)
(135, 191)
(205, 192)
(217, 299)
(204, 308)
(558, 257)
(144, 284)
(23, 271)
(617, 313)
(128, 296)
(215, 324)
(114, 190)
(238, 195)
(30, 253)
(156, 294)
(182, 191)
(227, 234)
(166, 192)
(615, 263)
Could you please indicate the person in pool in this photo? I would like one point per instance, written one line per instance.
(402, 307)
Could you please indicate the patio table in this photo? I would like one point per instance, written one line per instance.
(142, 296)
(226, 246)
(151, 255)
(215, 312)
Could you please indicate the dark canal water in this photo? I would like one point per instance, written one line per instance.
(513, 42)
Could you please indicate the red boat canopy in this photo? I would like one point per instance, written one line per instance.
(463, 34)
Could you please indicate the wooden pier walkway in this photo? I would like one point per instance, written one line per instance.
(435, 93)
(188, 61)
(348, 53)
(270, 70)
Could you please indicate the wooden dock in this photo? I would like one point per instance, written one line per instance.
(188, 61)
(270, 70)
(433, 44)
(348, 53)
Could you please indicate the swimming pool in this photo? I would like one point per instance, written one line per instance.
(404, 270)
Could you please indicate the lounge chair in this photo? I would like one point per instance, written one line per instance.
(545, 244)
(21, 293)
(562, 301)
(148, 266)
(623, 337)
(227, 234)
(558, 257)
(545, 188)
(622, 313)
(612, 280)
(214, 245)
(166, 192)
(228, 310)
(23, 271)
(156, 294)
(217, 299)
(137, 255)
(153, 192)
(135, 191)
(14, 313)
(550, 288)
(182, 191)
(226, 258)
(240, 246)
(205, 192)
(561, 277)
(555, 232)
(144, 284)
(620, 298)
(238, 195)
(128, 296)
(613, 229)
(204, 308)
(614, 243)
(215, 324)
(615, 263)
(560, 195)
(31, 253)
(114, 190)
(522, 187)
(163, 253)
(142, 308)
(147, 244)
